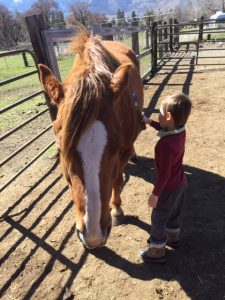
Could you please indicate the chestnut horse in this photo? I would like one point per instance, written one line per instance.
(98, 120)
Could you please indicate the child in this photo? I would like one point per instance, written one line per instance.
(167, 197)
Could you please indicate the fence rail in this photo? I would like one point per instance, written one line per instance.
(162, 41)
(7, 108)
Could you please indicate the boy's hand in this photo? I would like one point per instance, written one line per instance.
(152, 200)
(146, 120)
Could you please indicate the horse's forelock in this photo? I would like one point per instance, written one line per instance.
(79, 41)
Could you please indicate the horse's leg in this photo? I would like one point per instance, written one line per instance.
(116, 210)
(133, 155)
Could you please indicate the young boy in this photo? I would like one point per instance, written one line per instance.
(167, 197)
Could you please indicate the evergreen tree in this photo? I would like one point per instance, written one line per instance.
(57, 20)
(149, 17)
(120, 17)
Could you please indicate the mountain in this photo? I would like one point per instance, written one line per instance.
(109, 7)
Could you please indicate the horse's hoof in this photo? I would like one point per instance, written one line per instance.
(134, 159)
(117, 220)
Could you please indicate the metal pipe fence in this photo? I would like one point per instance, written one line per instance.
(6, 136)
(164, 42)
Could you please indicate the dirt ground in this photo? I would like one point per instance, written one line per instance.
(41, 257)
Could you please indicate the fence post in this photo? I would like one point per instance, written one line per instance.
(160, 38)
(107, 25)
(25, 59)
(200, 37)
(176, 34)
(154, 45)
(147, 39)
(165, 36)
(201, 25)
(135, 39)
(160, 32)
(171, 34)
(35, 24)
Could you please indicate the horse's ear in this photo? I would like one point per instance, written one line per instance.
(120, 78)
(50, 84)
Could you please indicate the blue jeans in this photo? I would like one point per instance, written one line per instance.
(167, 214)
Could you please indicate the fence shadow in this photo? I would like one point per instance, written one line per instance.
(169, 73)
(40, 243)
(198, 264)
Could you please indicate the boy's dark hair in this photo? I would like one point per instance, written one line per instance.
(179, 105)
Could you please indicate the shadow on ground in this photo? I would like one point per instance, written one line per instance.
(198, 265)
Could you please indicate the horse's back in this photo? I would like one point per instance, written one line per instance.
(122, 52)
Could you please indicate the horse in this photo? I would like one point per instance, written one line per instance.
(98, 120)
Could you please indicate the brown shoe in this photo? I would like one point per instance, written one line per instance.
(155, 253)
(172, 237)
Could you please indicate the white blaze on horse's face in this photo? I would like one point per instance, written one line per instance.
(91, 148)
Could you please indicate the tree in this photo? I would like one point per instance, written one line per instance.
(22, 31)
(209, 7)
(79, 12)
(9, 32)
(57, 20)
(149, 17)
(178, 13)
(44, 7)
(96, 18)
(134, 17)
(184, 12)
(120, 17)
(113, 21)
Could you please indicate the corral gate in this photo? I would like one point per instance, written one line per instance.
(164, 42)
(22, 118)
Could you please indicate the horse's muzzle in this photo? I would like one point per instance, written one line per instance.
(94, 243)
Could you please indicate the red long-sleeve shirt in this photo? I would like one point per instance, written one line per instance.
(169, 152)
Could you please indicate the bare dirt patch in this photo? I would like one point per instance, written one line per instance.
(40, 256)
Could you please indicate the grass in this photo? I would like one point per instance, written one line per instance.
(218, 36)
(65, 62)
(11, 66)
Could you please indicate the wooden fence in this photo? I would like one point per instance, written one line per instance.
(163, 41)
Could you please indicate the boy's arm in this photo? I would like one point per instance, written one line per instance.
(155, 125)
(152, 123)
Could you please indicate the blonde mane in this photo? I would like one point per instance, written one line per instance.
(89, 81)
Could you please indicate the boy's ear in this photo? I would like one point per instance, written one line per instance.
(168, 116)
(51, 85)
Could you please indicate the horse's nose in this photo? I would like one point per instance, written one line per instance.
(91, 242)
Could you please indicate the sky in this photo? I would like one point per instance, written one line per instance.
(20, 5)
(23, 5)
